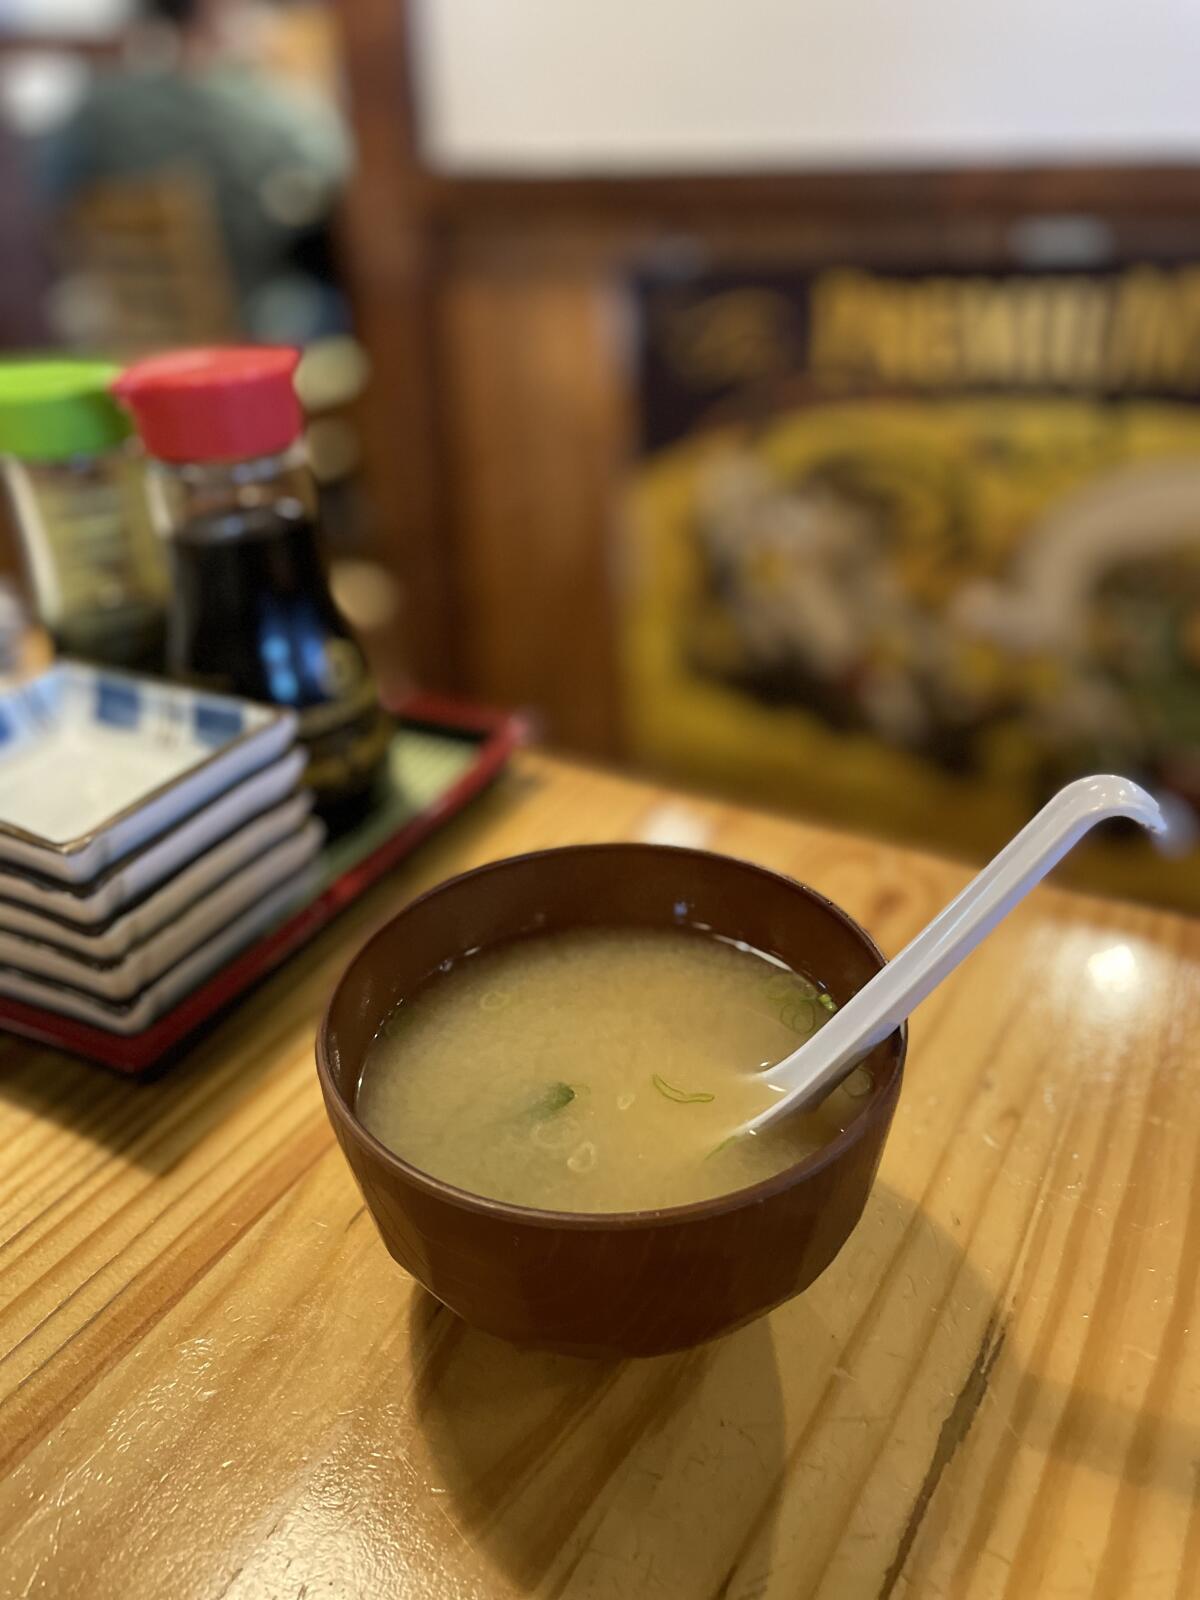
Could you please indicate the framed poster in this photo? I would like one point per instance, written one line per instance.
(911, 549)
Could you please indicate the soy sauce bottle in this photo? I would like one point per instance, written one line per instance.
(251, 611)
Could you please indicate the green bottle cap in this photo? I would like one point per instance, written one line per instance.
(53, 409)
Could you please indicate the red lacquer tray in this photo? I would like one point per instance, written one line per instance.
(450, 753)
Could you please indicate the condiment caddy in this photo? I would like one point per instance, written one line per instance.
(163, 844)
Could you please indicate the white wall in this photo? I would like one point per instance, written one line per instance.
(627, 85)
(90, 18)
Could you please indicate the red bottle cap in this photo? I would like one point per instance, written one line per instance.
(227, 403)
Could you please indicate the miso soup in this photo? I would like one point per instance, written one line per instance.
(599, 1070)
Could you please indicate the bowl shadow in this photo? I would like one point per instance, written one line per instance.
(535, 1452)
(682, 1476)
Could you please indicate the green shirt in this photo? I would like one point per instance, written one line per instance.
(272, 157)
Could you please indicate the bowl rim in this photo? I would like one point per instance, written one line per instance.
(881, 1104)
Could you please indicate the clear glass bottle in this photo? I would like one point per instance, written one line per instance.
(251, 610)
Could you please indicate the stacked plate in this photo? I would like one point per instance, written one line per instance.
(147, 833)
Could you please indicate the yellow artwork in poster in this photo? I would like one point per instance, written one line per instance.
(920, 614)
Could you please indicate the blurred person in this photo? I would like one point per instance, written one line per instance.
(272, 152)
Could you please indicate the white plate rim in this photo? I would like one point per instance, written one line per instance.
(67, 857)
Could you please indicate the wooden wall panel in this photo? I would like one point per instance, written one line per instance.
(390, 258)
(536, 416)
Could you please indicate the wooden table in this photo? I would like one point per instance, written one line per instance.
(214, 1382)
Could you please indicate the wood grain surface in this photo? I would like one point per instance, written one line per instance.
(214, 1383)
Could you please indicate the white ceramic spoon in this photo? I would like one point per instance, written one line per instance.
(881, 1005)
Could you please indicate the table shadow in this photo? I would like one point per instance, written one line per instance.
(579, 1478)
(155, 1120)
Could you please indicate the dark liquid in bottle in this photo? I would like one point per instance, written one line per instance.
(252, 614)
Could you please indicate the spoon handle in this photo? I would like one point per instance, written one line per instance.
(881, 1005)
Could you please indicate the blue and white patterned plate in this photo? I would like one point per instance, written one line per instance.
(119, 981)
(111, 938)
(95, 763)
(132, 1016)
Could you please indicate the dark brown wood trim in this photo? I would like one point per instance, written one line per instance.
(392, 268)
(94, 47)
(1013, 191)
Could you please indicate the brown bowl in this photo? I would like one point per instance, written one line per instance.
(630, 1283)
